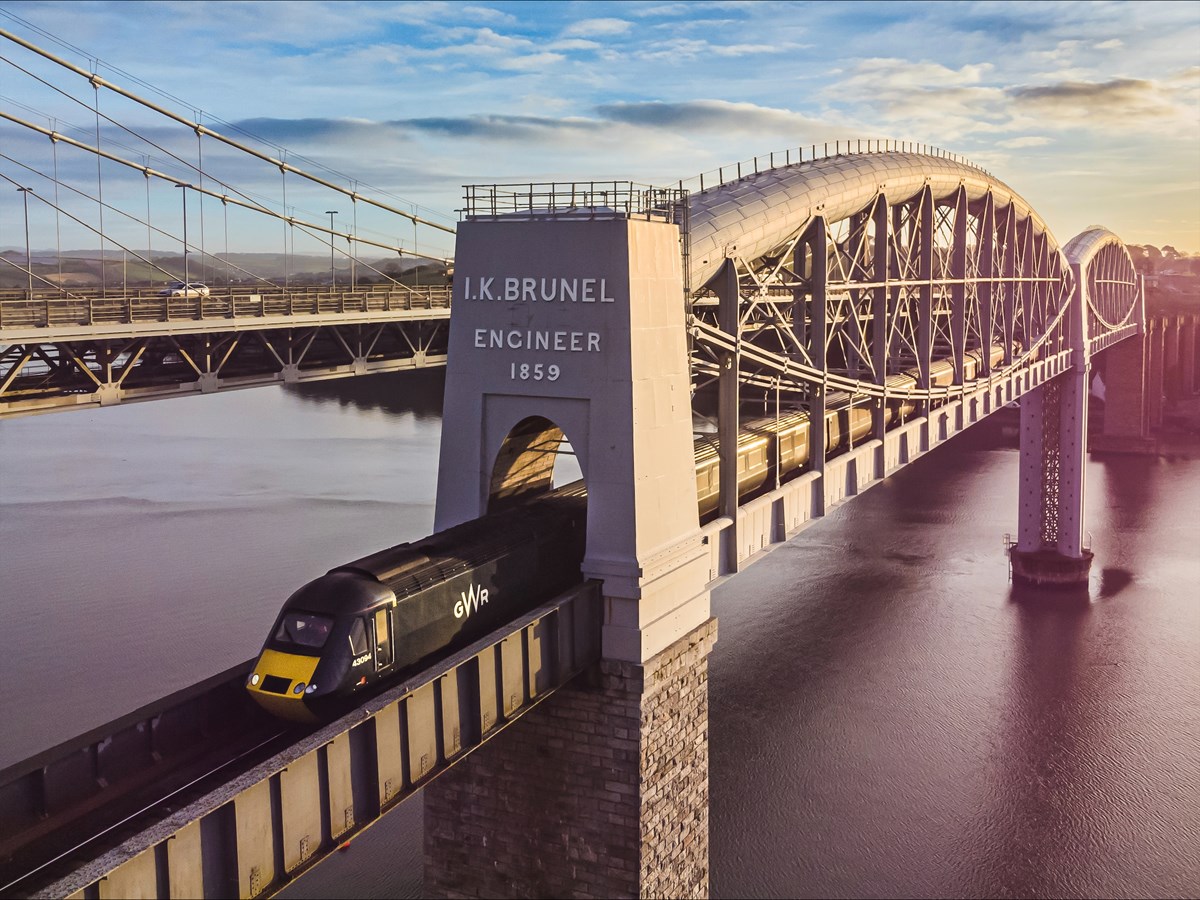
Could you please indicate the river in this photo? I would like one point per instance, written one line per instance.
(889, 717)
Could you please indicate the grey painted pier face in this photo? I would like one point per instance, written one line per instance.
(580, 323)
(575, 327)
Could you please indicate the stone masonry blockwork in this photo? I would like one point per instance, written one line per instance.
(601, 791)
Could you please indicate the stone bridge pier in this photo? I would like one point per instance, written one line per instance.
(1050, 547)
(571, 327)
(1143, 377)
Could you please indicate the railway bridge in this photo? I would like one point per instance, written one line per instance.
(835, 315)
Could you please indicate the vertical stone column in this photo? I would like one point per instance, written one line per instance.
(578, 323)
(1155, 360)
(1125, 406)
(1172, 368)
(602, 791)
(1189, 352)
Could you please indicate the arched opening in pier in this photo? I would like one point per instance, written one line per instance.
(535, 458)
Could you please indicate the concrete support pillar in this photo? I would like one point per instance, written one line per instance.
(601, 791)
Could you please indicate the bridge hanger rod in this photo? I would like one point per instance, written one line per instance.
(191, 248)
(224, 198)
(159, 231)
(97, 81)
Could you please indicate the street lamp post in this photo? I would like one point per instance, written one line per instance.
(332, 271)
(186, 279)
(24, 191)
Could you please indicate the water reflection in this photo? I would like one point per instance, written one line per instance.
(418, 392)
(1041, 777)
(1128, 488)
(1113, 581)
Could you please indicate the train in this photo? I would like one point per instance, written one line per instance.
(363, 625)
(783, 443)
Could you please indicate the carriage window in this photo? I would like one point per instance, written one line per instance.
(358, 638)
(383, 639)
(304, 629)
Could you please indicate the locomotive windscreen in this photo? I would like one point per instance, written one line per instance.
(304, 630)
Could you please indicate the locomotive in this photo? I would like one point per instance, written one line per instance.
(363, 624)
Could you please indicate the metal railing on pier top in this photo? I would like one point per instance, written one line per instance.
(780, 158)
(575, 199)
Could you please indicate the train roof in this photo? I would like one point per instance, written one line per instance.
(410, 567)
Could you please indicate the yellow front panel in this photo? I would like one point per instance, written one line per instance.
(295, 668)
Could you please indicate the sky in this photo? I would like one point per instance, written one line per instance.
(1090, 110)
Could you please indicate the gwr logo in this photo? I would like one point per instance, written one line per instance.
(472, 599)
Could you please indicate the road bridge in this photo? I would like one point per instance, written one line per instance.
(82, 349)
(838, 317)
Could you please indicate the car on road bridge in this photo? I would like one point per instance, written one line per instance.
(184, 289)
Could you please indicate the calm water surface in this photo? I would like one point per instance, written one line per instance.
(888, 716)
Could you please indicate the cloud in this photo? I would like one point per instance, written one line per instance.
(702, 115)
(475, 48)
(1104, 104)
(664, 9)
(1022, 142)
(935, 102)
(642, 124)
(895, 73)
(574, 44)
(500, 127)
(679, 50)
(484, 13)
(285, 131)
(597, 28)
(1113, 44)
(1183, 76)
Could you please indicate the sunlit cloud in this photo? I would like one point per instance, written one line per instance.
(1101, 105)
(1023, 142)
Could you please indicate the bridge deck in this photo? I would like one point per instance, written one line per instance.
(303, 801)
(51, 318)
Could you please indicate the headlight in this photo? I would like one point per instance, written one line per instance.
(310, 689)
(254, 679)
(299, 688)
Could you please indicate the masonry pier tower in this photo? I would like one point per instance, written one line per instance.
(569, 325)
(1050, 549)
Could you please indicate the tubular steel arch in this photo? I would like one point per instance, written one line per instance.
(883, 274)
(1109, 284)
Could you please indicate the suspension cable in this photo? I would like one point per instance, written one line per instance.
(150, 172)
(98, 82)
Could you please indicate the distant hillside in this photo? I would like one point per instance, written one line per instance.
(83, 268)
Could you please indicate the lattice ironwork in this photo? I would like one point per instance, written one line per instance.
(912, 295)
(45, 375)
(1051, 459)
